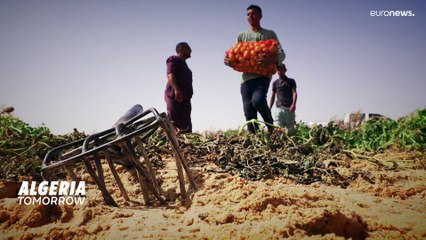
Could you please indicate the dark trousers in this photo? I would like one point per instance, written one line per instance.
(179, 113)
(254, 92)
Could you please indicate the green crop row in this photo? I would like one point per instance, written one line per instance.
(22, 147)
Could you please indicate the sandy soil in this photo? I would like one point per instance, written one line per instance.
(229, 207)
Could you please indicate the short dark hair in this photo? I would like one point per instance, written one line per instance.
(255, 7)
(282, 66)
(180, 45)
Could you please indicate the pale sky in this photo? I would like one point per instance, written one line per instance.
(82, 64)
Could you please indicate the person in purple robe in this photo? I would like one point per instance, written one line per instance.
(179, 90)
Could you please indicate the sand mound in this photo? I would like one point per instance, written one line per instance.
(383, 205)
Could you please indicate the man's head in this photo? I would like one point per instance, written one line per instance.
(254, 14)
(183, 50)
(281, 70)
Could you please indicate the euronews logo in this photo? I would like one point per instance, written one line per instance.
(52, 193)
(392, 13)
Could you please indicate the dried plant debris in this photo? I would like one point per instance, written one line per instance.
(310, 154)
(305, 156)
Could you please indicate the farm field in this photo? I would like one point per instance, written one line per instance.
(321, 183)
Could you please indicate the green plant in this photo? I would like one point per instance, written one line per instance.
(22, 147)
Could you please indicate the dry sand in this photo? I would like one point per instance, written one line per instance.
(229, 207)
